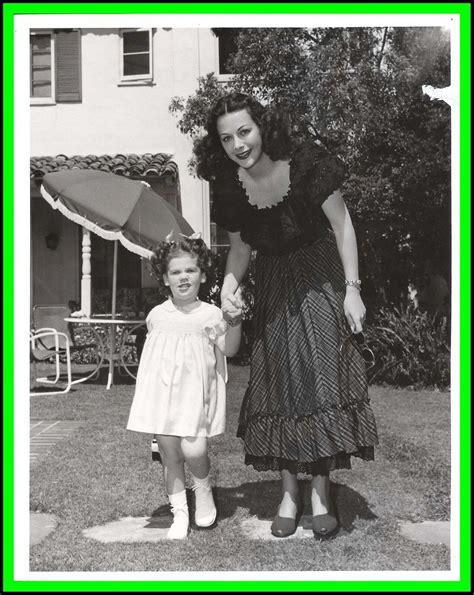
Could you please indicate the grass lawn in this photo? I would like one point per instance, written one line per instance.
(102, 472)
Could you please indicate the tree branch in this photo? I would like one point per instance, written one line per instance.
(381, 53)
(311, 37)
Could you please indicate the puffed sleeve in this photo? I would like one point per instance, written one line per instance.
(148, 322)
(228, 204)
(320, 173)
(215, 331)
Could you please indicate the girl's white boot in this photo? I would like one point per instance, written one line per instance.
(179, 508)
(206, 512)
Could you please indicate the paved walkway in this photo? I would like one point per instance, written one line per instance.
(45, 434)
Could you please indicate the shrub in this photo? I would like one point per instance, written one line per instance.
(412, 348)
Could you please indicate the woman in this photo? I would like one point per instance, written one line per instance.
(306, 409)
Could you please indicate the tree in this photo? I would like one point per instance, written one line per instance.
(360, 91)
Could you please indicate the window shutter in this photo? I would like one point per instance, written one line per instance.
(68, 65)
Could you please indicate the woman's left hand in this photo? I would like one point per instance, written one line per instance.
(354, 309)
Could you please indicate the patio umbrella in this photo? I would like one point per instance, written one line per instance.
(115, 208)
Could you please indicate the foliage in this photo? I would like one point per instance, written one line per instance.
(83, 335)
(360, 91)
(412, 348)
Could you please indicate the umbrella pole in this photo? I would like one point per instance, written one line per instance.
(114, 279)
(112, 325)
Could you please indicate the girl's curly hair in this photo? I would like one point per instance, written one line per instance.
(195, 247)
(274, 125)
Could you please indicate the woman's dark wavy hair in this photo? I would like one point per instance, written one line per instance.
(166, 251)
(274, 125)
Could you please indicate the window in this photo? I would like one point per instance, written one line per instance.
(136, 59)
(102, 256)
(41, 65)
(227, 47)
(55, 66)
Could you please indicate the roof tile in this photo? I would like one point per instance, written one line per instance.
(133, 165)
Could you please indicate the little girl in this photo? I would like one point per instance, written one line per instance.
(180, 389)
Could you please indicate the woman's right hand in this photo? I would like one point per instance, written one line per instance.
(231, 306)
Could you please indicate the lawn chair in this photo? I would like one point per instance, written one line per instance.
(52, 318)
(45, 345)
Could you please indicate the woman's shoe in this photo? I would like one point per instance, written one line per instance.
(283, 526)
(325, 525)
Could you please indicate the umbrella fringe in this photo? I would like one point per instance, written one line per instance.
(134, 248)
(103, 233)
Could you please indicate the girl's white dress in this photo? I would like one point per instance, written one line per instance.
(180, 387)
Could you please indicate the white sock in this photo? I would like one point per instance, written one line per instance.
(179, 508)
(206, 512)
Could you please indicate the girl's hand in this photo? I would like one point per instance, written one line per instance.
(232, 309)
(354, 309)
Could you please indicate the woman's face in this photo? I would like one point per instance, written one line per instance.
(240, 138)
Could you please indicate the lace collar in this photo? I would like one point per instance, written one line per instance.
(269, 207)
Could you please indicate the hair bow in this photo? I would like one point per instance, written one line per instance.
(197, 235)
(168, 238)
(194, 236)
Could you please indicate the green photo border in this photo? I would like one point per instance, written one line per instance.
(9, 584)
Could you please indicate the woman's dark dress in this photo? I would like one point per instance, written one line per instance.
(306, 408)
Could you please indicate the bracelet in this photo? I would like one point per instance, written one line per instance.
(353, 283)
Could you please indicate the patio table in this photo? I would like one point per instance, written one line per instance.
(112, 354)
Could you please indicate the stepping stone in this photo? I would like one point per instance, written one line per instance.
(41, 525)
(257, 529)
(427, 532)
(131, 530)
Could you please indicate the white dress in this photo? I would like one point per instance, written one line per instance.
(180, 387)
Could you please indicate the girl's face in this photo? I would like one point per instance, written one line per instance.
(184, 278)
(240, 138)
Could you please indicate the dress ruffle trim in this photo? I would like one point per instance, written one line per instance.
(327, 439)
(321, 467)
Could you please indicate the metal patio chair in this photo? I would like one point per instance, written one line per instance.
(52, 318)
(49, 344)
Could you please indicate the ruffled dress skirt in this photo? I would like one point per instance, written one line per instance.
(306, 408)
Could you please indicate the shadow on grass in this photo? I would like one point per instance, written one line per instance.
(121, 377)
(261, 499)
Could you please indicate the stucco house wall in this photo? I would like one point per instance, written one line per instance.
(122, 117)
